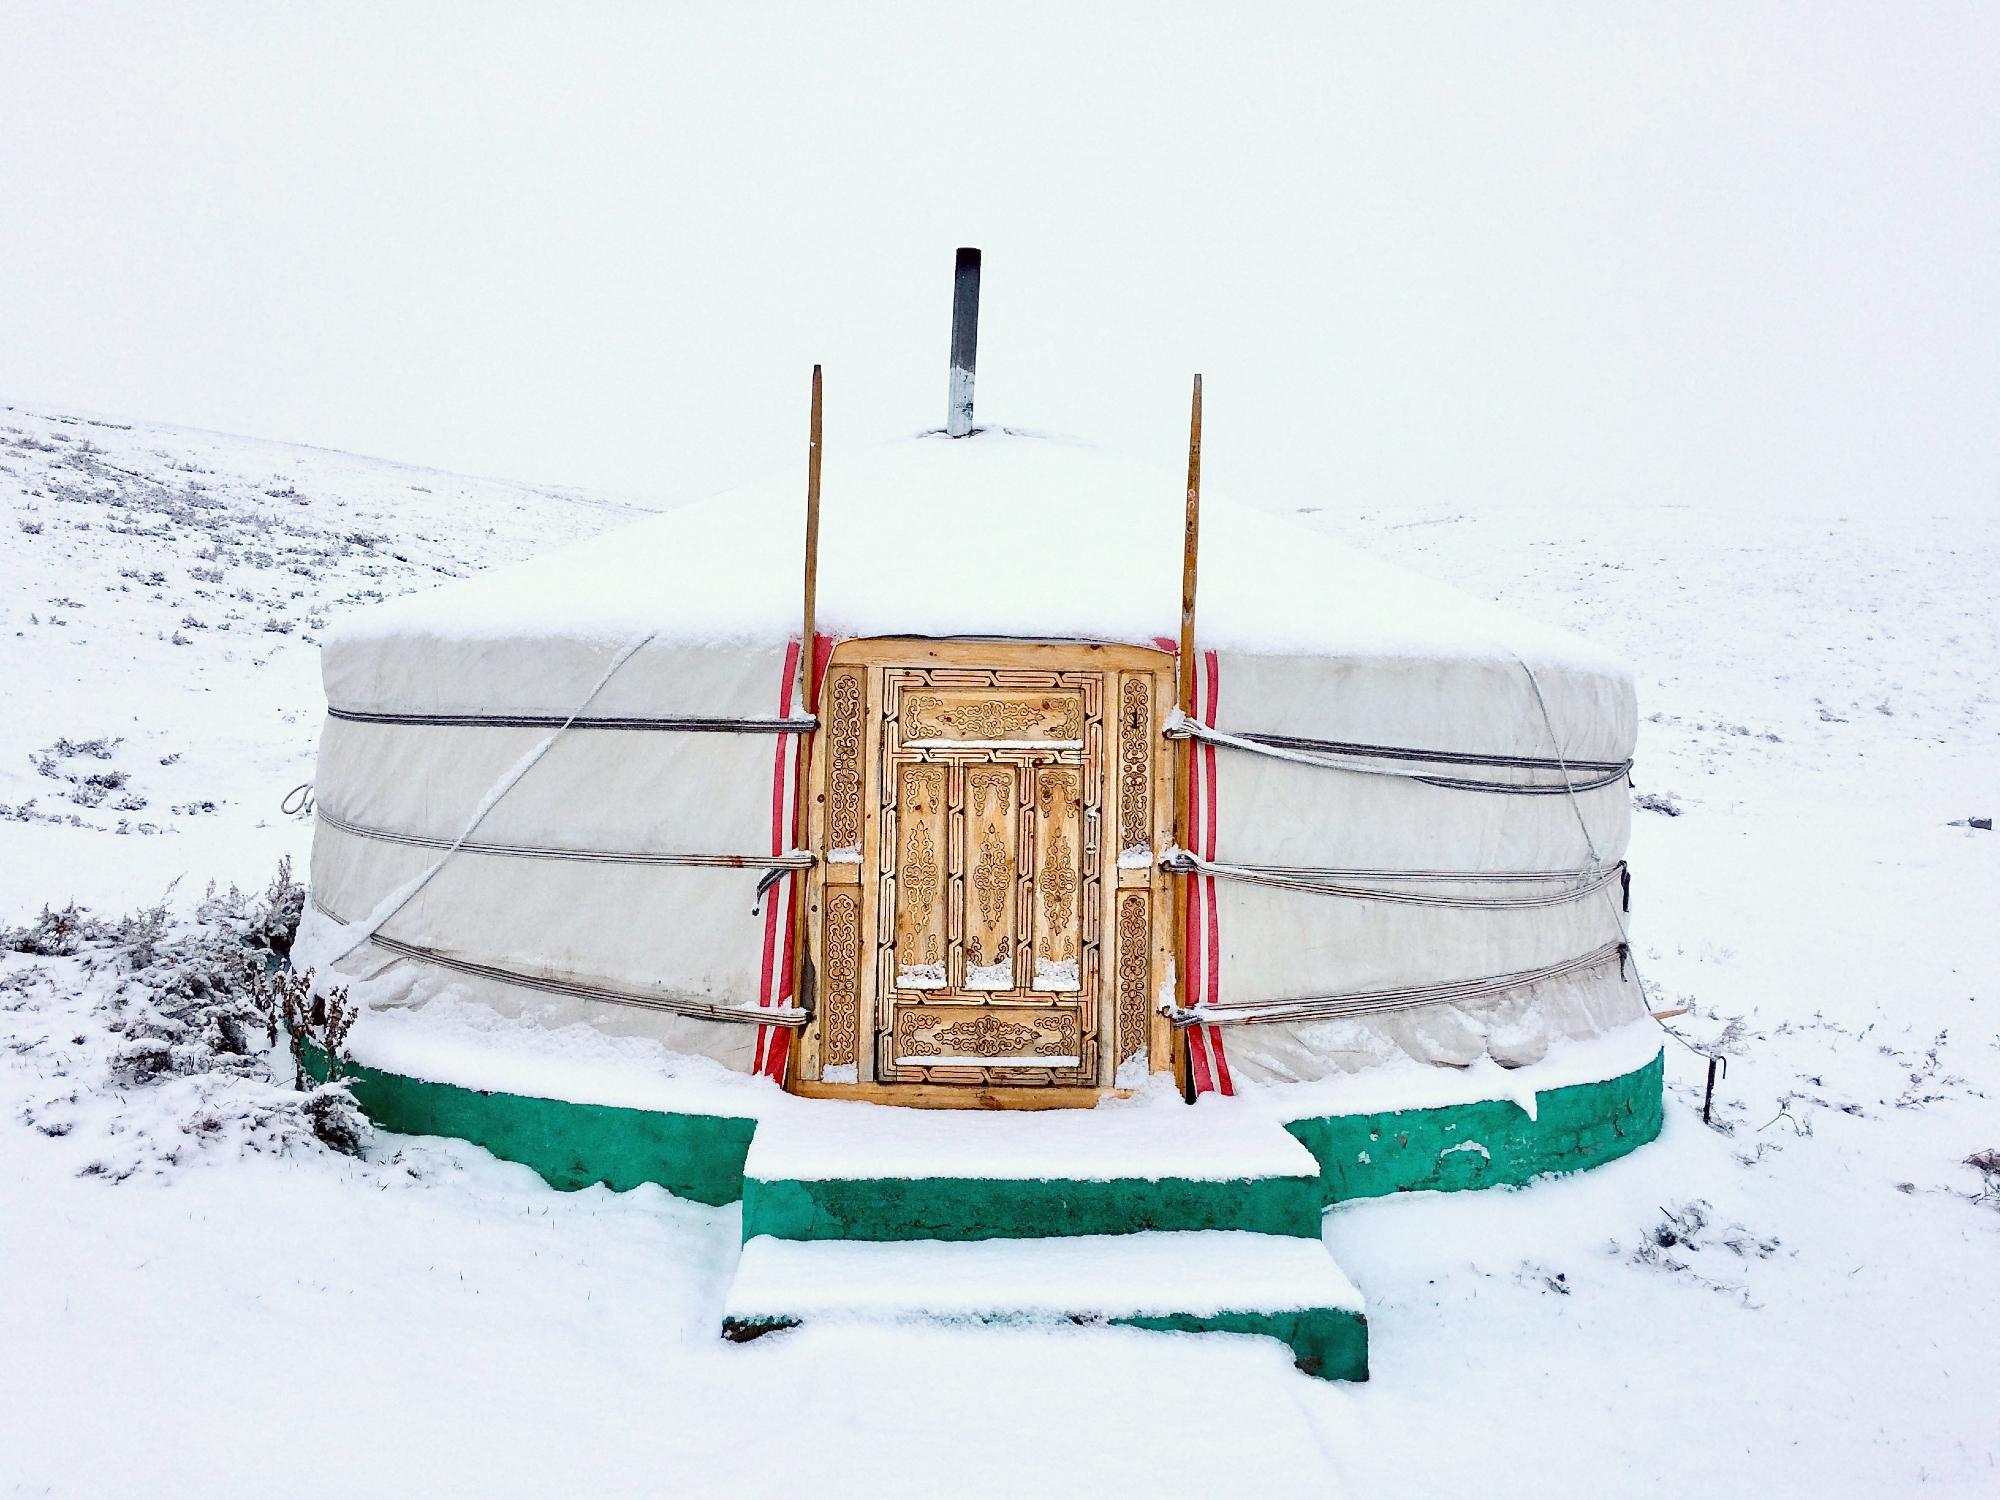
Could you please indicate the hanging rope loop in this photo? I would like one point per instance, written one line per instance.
(771, 878)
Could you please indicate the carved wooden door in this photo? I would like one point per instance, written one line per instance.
(989, 869)
(990, 916)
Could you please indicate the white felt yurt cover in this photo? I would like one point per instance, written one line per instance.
(1000, 535)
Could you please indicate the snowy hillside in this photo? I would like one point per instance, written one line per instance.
(1797, 1300)
(161, 593)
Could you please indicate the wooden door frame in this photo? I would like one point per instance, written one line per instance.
(841, 900)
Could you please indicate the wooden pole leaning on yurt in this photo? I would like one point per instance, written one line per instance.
(802, 800)
(1184, 833)
(812, 556)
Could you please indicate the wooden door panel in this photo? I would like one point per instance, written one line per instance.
(921, 870)
(994, 1034)
(982, 716)
(1059, 865)
(993, 851)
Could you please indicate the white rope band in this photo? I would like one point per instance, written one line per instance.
(1323, 882)
(684, 725)
(703, 1010)
(1373, 1002)
(796, 859)
(1393, 760)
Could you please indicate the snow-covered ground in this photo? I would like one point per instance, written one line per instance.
(1801, 1300)
(160, 594)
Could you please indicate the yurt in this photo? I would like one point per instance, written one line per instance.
(904, 842)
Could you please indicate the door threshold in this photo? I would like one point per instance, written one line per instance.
(958, 1096)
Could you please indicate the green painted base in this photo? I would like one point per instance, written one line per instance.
(1326, 1342)
(570, 1145)
(1485, 1144)
(1489, 1144)
(975, 1208)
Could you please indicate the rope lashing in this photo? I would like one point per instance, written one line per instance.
(797, 859)
(510, 779)
(1401, 761)
(298, 801)
(765, 887)
(1324, 882)
(1622, 907)
(796, 724)
(679, 1005)
(1340, 1007)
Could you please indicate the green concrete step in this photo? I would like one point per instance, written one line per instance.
(1276, 1285)
(862, 1172)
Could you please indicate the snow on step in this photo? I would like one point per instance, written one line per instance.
(1198, 1274)
(1217, 1141)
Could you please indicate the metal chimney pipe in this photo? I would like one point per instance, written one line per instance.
(964, 342)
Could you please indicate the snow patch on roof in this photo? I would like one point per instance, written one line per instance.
(1001, 534)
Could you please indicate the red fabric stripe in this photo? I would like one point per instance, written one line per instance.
(778, 1050)
(779, 1047)
(767, 988)
(822, 654)
(1198, 1065)
(1196, 1035)
(1200, 1072)
(1196, 962)
(1201, 900)
(1214, 965)
(778, 1053)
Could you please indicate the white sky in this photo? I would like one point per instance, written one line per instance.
(1460, 254)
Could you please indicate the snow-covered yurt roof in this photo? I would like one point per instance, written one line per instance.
(1002, 534)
